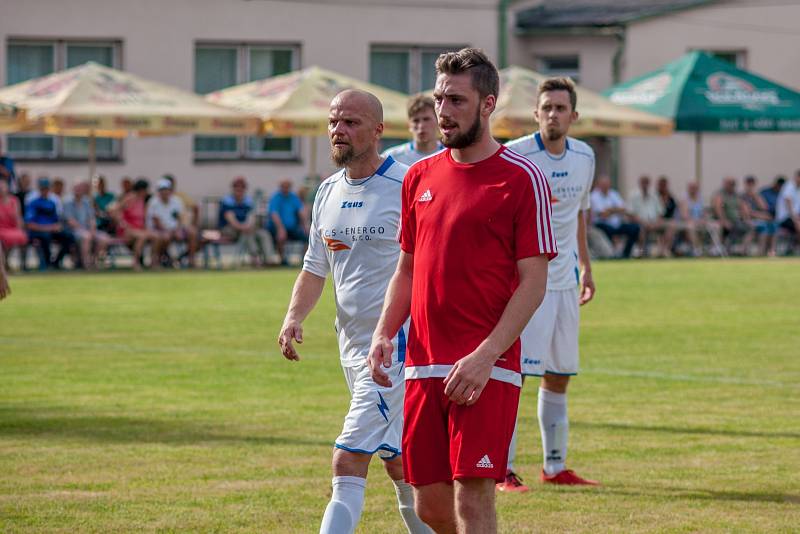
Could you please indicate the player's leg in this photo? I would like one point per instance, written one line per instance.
(475, 512)
(552, 406)
(347, 499)
(435, 506)
(405, 497)
(535, 344)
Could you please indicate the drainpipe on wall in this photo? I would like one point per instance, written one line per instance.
(616, 77)
(502, 33)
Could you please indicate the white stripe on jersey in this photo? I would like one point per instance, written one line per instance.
(544, 230)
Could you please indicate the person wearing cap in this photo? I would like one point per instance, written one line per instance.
(131, 225)
(79, 216)
(237, 221)
(165, 216)
(43, 222)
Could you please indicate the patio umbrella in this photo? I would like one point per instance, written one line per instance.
(92, 100)
(11, 119)
(704, 94)
(297, 103)
(513, 116)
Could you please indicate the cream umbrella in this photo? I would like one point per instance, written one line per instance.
(11, 119)
(297, 103)
(513, 116)
(92, 100)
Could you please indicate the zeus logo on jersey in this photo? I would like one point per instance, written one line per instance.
(346, 204)
(557, 174)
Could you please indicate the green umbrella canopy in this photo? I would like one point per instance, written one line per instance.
(704, 94)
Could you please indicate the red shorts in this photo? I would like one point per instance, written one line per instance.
(444, 441)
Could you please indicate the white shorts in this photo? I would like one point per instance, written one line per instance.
(374, 423)
(550, 339)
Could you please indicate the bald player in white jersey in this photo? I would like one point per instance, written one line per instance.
(550, 340)
(424, 130)
(353, 237)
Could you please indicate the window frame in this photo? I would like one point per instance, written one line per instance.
(60, 46)
(243, 70)
(415, 53)
(543, 68)
(740, 54)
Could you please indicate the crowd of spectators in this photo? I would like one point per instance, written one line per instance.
(160, 229)
(738, 223)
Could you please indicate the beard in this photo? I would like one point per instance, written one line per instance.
(467, 138)
(341, 157)
(554, 133)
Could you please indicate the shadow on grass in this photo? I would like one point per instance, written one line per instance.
(696, 494)
(125, 429)
(685, 430)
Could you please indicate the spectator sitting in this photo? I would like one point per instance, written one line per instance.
(125, 186)
(770, 194)
(131, 225)
(609, 213)
(191, 212)
(43, 220)
(763, 221)
(285, 218)
(7, 173)
(12, 233)
(165, 215)
(237, 221)
(647, 209)
(23, 189)
(58, 188)
(733, 216)
(102, 206)
(788, 207)
(80, 218)
(695, 220)
(670, 214)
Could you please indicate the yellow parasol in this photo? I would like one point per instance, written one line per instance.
(11, 119)
(513, 116)
(92, 100)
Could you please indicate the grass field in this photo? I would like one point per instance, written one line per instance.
(159, 402)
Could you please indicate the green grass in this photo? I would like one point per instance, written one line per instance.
(159, 402)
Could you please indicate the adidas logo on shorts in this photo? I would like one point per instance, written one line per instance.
(426, 196)
(485, 462)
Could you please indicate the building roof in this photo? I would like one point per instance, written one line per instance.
(562, 14)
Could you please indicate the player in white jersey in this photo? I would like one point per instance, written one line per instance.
(550, 340)
(354, 238)
(424, 130)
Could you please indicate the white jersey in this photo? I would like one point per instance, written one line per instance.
(407, 153)
(570, 177)
(354, 236)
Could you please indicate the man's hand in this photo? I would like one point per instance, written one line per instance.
(380, 355)
(466, 380)
(587, 288)
(282, 235)
(290, 331)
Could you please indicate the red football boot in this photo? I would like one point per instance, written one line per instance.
(567, 477)
(512, 483)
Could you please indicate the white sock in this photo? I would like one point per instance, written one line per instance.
(512, 448)
(554, 425)
(405, 498)
(344, 510)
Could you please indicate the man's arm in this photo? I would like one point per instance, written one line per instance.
(4, 289)
(307, 290)
(231, 218)
(584, 260)
(396, 307)
(466, 380)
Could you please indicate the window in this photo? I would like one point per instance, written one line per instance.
(217, 66)
(32, 59)
(405, 69)
(568, 66)
(737, 58)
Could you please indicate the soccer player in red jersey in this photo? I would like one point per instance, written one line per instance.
(475, 240)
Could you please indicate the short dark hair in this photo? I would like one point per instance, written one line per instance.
(473, 60)
(141, 185)
(418, 104)
(559, 84)
(749, 179)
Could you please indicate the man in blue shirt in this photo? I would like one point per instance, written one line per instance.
(770, 194)
(237, 222)
(286, 218)
(43, 221)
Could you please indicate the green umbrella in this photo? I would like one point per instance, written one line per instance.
(704, 94)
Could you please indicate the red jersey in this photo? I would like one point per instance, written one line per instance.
(467, 224)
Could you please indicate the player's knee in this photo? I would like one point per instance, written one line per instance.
(555, 383)
(346, 463)
(394, 468)
(436, 514)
